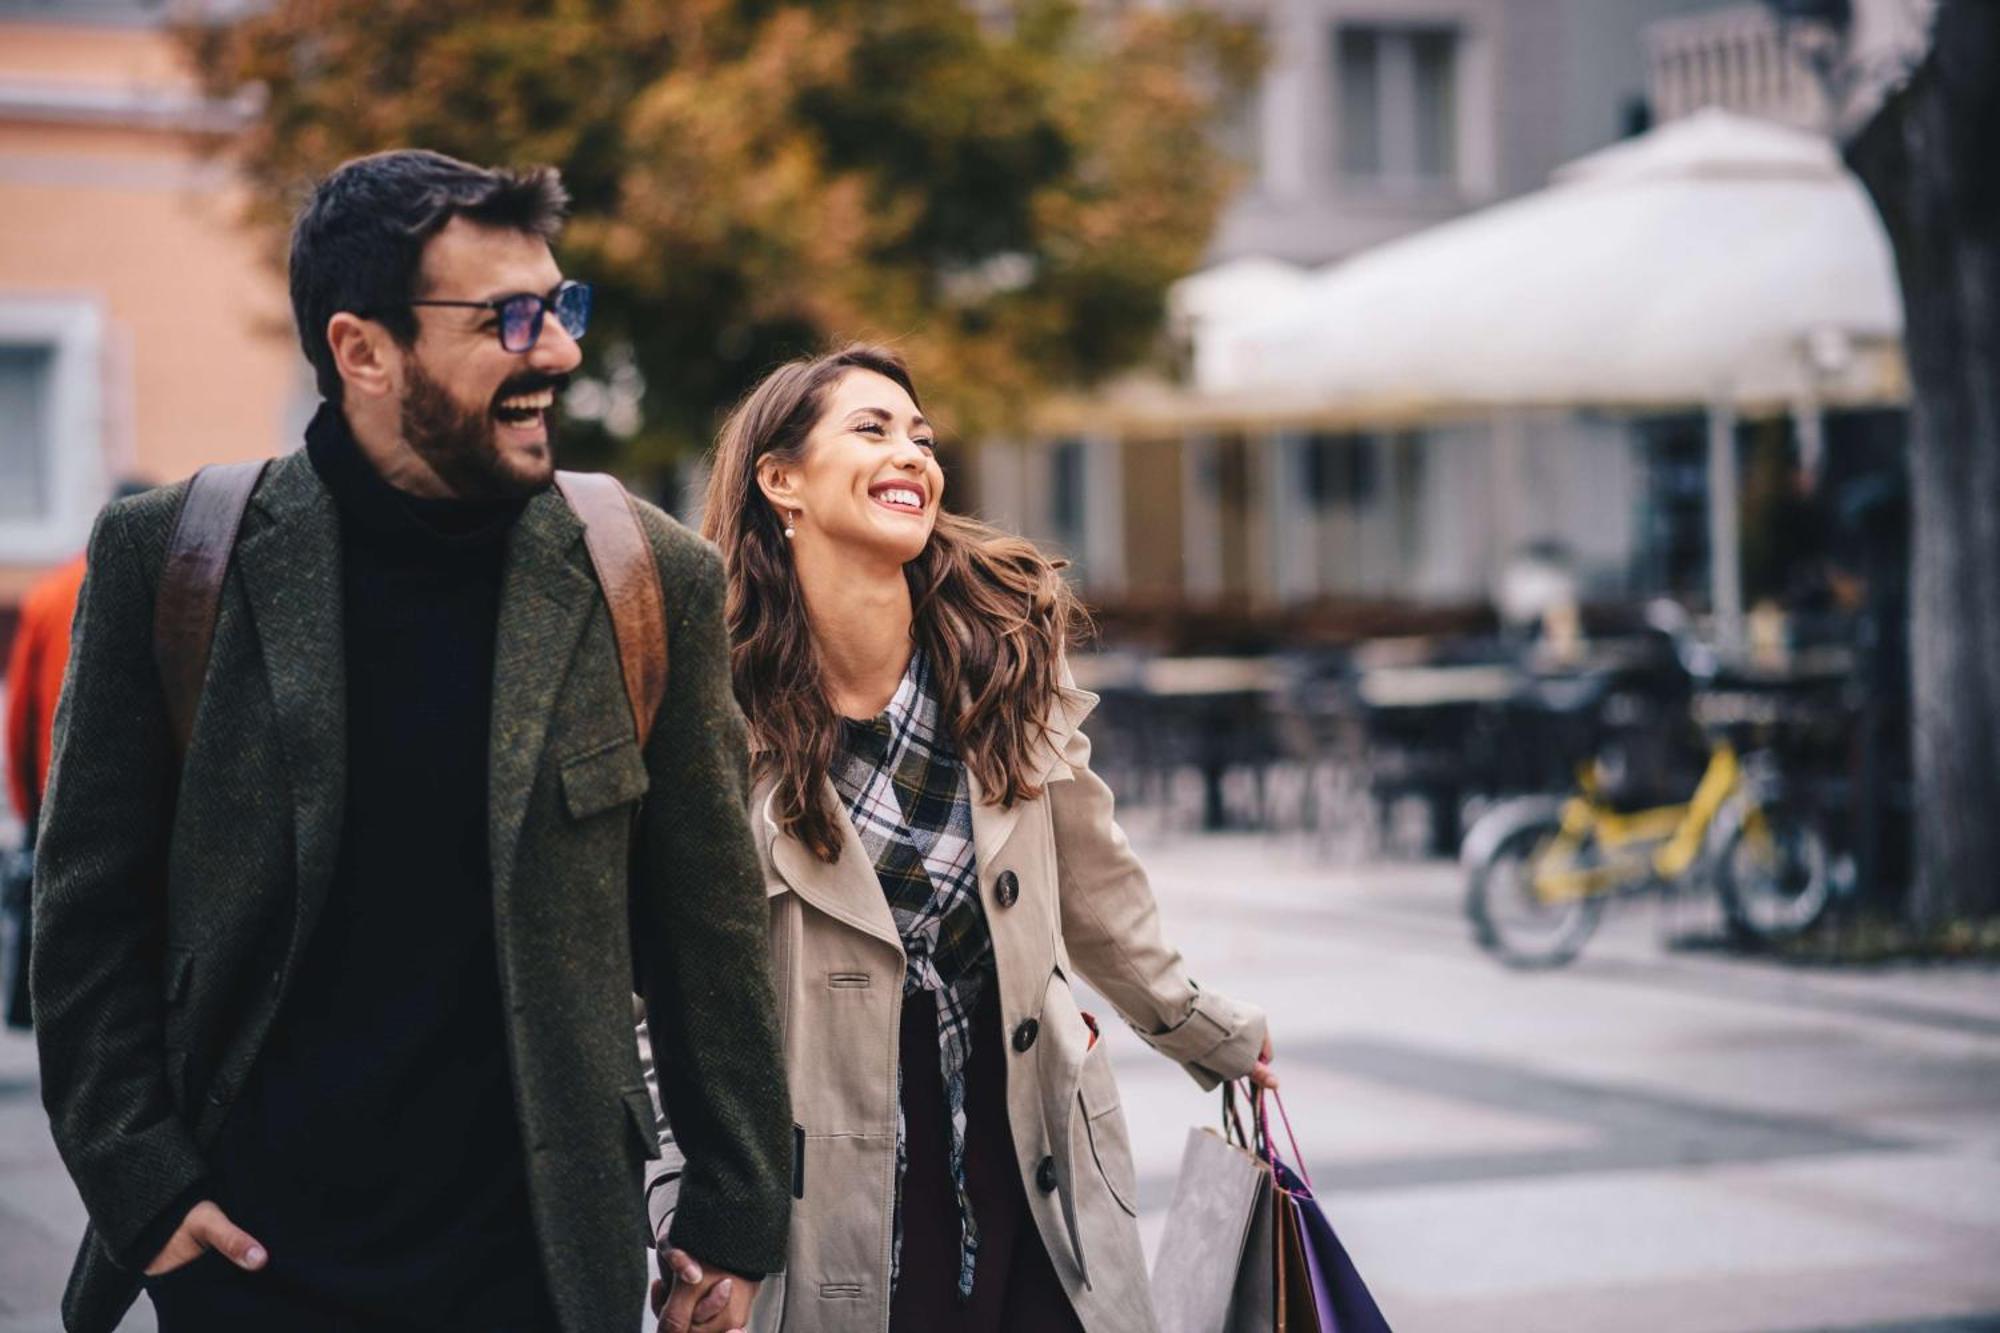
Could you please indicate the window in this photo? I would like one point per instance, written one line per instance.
(1066, 501)
(1239, 129)
(1360, 84)
(1432, 62)
(1340, 471)
(26, 373)
(1396, 90)
(51, 426)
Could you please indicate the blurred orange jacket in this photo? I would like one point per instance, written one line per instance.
(34, 682)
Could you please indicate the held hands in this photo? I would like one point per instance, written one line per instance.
(690, 1299)
(206, 1227)
(1261, 1073)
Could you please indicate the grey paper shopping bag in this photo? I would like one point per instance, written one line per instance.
(1254, 1305)
(1214, 1269)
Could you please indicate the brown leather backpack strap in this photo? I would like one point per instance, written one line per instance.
(190, 591)
(630, 578)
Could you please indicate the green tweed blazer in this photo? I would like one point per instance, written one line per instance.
(168, 927)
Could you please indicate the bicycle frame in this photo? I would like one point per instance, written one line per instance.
(1676, 833)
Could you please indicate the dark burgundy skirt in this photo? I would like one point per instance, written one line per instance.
(1014, 1287)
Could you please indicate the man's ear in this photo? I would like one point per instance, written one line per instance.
(363, 354)
(780, 484)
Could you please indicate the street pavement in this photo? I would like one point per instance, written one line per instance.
(1656, 1138)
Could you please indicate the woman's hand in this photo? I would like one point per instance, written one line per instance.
(1261, 1073)
(687, 1300)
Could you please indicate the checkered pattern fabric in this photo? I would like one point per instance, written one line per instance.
(905, 790)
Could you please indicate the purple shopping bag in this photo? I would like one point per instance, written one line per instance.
(1340, 1300)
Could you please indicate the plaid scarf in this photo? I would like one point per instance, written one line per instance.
(905, 790)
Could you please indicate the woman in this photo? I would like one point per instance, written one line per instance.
(940, 862)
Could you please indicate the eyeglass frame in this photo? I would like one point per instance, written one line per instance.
(543, 304)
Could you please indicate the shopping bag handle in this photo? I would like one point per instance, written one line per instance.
(1232, 1120)
(1298, 1158)
(1258, 1141)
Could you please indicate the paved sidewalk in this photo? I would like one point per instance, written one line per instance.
(41, 1219)
(1649, 1140)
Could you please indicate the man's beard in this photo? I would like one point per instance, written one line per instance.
(459, 444)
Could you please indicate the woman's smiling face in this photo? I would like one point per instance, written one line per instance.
(868, 481)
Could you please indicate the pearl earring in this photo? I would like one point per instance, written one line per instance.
(790, 531)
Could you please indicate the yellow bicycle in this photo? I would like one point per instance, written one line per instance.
(1541, 869)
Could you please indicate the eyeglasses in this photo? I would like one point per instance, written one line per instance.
(521, 315)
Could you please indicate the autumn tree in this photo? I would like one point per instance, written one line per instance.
(1002, 190)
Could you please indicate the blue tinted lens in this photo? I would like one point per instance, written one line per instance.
(573, 307)
(520, 323)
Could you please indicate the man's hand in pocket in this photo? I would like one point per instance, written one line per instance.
(207, 1227)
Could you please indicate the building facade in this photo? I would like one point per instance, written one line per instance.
(143, 331)
(1377, 119)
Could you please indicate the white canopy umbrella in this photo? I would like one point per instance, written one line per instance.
(1215, 297)
(1717, 262)
(1715, 256)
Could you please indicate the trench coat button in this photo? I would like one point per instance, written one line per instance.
(1045, 1176)
(1007, 889)
(1025, 1034)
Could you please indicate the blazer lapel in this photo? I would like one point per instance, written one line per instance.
(290, 566)
(546, 598)
(991, 824)
(847, 890)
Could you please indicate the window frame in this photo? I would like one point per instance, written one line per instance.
(72, 328)
(1390, 175)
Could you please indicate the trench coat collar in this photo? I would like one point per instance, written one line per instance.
(993, 824)
(847, 889)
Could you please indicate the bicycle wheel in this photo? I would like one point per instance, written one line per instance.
(1775, 878)
(1512, 920)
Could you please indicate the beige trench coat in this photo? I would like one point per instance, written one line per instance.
(1064, 897)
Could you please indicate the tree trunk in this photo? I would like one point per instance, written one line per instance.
(1928, 160)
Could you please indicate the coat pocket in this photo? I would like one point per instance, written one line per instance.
(1104, 1125)
(603, 779)
(639, 1112)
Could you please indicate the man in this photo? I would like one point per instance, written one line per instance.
(334, 1013)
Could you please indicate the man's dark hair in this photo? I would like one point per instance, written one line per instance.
(358, 244)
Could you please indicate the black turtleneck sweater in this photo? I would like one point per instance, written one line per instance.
(376, 1152)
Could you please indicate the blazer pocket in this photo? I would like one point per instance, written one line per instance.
(603, 779)
(177, 1079)
(179, 974)
(178, 981)
(639, 1110)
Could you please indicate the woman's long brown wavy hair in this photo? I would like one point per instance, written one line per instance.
(990, 612)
